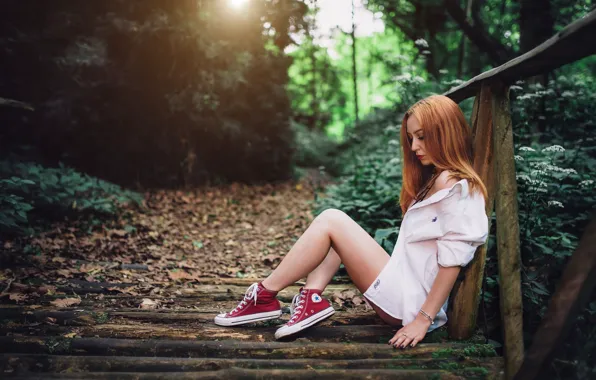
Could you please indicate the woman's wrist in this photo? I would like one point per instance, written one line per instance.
(421, 318)
(424, 316)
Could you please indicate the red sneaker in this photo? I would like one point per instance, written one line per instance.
(308, 308)
(259, 304)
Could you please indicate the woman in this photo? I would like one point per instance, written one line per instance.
(443, 202)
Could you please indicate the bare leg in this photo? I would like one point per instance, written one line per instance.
(362, 256)
(320, 277)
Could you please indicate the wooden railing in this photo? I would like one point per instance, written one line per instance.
(494, 161)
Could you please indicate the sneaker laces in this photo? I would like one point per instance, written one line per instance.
(297, 305)
(251, 294)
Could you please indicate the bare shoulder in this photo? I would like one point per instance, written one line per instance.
(445, 180)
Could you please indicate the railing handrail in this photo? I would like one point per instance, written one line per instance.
(574, 42)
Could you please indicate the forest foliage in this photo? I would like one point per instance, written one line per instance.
(152, 93)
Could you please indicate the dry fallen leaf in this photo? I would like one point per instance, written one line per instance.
(48, 290)
(119, 233)
(64, 273)
(51, 320)
(183, 275)
(17, 297)
(66, 302)
(348, 295)
(148, 304)
(70, 335)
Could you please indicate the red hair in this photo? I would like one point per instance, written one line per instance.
(448, 144)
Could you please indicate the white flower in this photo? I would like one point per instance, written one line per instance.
(394, 161)
(586, 183)
(515, 88)
(553, 148)
(523, 177)
(526, 149)
(443, 71)
(568, 94)
(525, 96)
(421, 42)
(538, 172)
(393, 143)
(569, 171)
(555, 204)
(391, 129)
(518, 158)
(539, 184)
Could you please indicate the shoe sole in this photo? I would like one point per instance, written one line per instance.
(286, 331)
(222, 321)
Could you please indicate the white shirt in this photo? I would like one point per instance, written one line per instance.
(444, 229)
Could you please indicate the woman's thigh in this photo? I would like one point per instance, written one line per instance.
(384, 316)
(362, 256)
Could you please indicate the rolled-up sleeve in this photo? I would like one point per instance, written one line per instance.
(466, 226)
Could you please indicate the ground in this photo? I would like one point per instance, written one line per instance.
(135, 298)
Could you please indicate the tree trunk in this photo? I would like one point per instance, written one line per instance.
(313, 59)
(535, 23)
(497, 52)
(536, 26)
(354, 68)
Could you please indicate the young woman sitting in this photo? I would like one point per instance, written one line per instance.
(444, 221)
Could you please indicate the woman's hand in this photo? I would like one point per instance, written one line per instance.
(412, 333)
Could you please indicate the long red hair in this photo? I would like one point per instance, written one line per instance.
(448, 144)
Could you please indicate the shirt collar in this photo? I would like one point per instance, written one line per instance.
(444, 193)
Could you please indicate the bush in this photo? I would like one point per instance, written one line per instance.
(313, 149)
(31, 194)
(370, 193)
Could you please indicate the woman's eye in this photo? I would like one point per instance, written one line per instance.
(421, 138)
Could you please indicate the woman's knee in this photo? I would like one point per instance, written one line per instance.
(332, 217)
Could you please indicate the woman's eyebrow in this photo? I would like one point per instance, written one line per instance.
(416, 131)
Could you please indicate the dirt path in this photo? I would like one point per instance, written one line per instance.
(180, 237)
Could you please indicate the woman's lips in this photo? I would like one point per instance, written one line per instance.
(420, 157)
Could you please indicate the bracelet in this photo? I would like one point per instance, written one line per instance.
(427, 316)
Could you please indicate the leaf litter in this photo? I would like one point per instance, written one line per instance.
(179, 239)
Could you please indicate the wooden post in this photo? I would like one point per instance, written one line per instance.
(507, 232)
(574, 290)
(465, 298)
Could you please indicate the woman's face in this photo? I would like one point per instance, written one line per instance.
(416, 137)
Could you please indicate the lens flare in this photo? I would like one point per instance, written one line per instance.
(237, 3)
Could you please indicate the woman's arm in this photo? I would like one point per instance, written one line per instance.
(415, 331)
(439, 291)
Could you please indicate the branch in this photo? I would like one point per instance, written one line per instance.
(497, 52)
(14, 103)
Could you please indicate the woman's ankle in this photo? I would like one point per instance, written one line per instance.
(269, 287)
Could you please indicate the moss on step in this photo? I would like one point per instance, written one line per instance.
(58, 345)
(473, 350)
